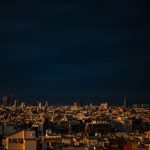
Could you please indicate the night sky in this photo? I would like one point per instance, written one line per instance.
(76, 48)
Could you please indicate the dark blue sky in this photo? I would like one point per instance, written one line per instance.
(76, 48)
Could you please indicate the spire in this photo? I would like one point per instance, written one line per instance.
(125, 103)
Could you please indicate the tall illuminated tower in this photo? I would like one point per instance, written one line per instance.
(125, 103)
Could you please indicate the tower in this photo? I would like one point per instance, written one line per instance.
(40, 105)
(46, 104)
(15, 103)
(125, 103)
(5, 100)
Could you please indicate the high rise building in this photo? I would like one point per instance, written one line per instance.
(46, 104)
(5, 100)
(125, 103)
(15, 103)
